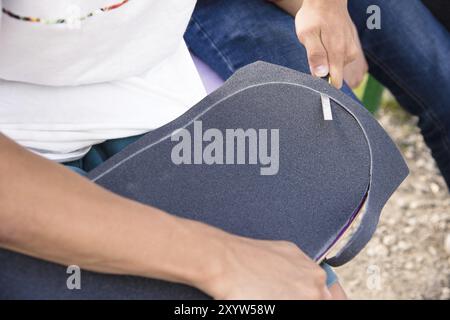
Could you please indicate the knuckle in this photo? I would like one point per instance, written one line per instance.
(317, 55)
(305, 33)
(352, 54)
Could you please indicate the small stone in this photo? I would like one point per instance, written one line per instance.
(389, 239)
(414, 205)
(403, 245)
(442, 225)
(435, 188)
(383, 250)
(421, 163)
(435, 219)
(378, 250)
(391, 222)
(371, 251)
(403, 203)
(445, 294)
(432, 250)
(408, 230)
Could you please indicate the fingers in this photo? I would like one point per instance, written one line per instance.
(354, 72)
(317, 54)
(348, 69)
(331, 42)
(336, 58)
(328, 54)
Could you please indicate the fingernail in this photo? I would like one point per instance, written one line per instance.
(321, 71)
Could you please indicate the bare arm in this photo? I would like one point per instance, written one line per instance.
(51, 213)
(290, 6)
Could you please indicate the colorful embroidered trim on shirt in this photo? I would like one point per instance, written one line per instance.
(65, 20)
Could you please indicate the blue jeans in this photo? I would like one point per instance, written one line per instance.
(410, 55)
(99, 153)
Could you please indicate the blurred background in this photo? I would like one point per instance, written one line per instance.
(409, 256)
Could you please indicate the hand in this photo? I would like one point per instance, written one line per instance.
(257, 269)
(326, 30)
(355, 71)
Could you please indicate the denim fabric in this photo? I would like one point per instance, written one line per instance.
(409, 55)
(100, 153)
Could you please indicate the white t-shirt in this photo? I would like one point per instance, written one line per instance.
(121, 72)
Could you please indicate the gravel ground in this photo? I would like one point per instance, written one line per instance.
(409, 256)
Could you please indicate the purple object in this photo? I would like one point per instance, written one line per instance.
(210, 79)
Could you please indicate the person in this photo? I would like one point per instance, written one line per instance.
(409, 54)
(79, 83)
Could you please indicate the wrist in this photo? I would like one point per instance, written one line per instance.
(209, 263)
(187, 252)
(218, 276)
